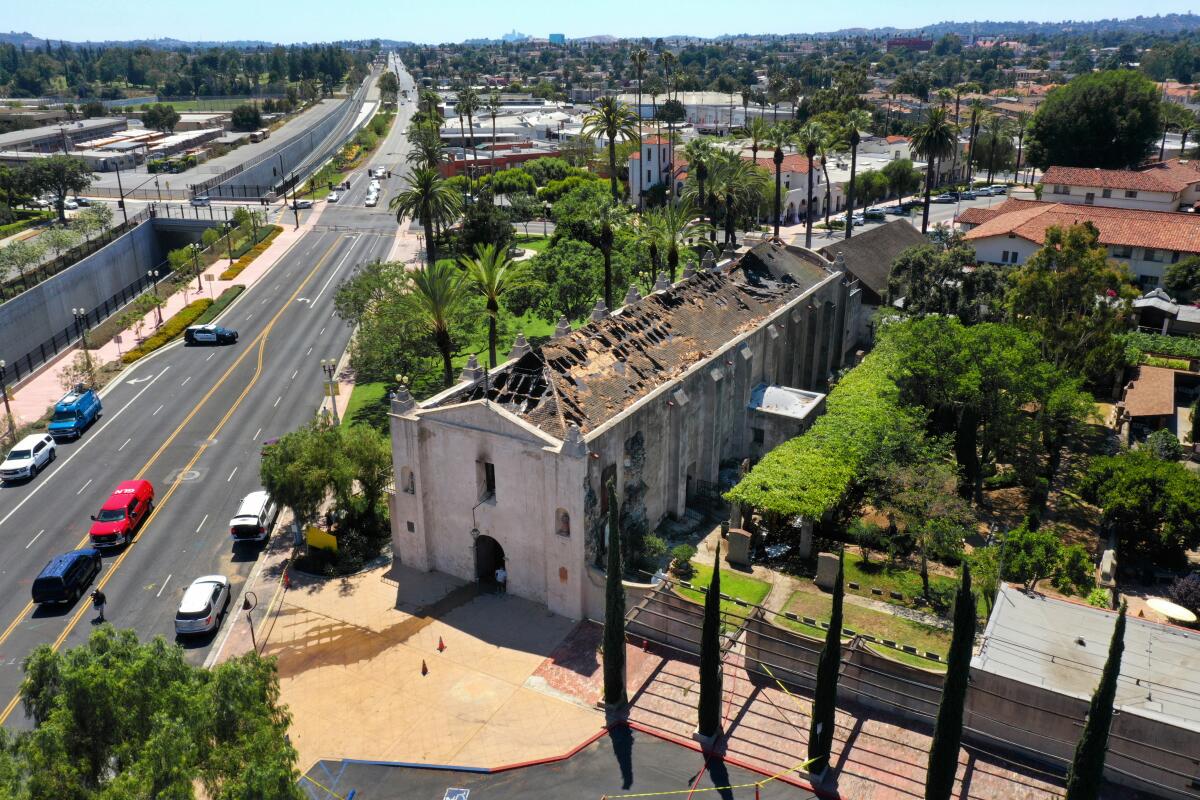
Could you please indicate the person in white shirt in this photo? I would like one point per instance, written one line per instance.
(502, 580)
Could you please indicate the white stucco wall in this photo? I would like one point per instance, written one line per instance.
(1145, 201)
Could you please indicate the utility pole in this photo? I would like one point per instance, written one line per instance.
(295, 208)
(121, 197)
(329, 367)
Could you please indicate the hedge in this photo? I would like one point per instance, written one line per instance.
(21, 224)
(1157, 343)
(220, 304)
(812, 473)
(171, 328)
(251, 254)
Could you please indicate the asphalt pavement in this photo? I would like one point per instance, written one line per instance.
(192, 421)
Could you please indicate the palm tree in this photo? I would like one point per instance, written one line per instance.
(736, 188)
(758, 130)
(667, 59)
(978, 112)
(428, 200)
(468, 103)
(935, 138)
(1022, 129)
(493, 109)
(810, 150)
(639, 63)
(677, 224)
(850, 188)
(959, 91)
(778, 138)
(439, 290)
(610, 216)
(997, 128)
(698, 152)
(493, 275)
(426, 141)
(611, 118)
(943, 96)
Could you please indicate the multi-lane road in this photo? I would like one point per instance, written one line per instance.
(192, 421)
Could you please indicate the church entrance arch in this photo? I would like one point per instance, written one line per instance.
(489, 557)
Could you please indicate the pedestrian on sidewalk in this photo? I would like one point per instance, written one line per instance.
(98, 601)
(502, 581)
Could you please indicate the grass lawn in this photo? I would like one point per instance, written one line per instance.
(365, 400)
(897, 578)
(531, 242)
(816, 604)
(733, 584)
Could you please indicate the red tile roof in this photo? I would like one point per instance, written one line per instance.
(978, 216)
(1151, 393)
(1029, 219)
(792, 162)
(896, 140)
(1167, 176)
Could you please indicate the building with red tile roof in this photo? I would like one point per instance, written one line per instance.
(1163, 186)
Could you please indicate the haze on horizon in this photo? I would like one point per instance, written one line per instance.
(317, 21)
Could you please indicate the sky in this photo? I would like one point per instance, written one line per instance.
(323, 20)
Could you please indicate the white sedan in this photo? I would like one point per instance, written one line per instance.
(332, 197)
(203, 605)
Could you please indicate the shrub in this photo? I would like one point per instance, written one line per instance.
(1002, 479)
(1168, 363)
(251, 254)
(682, 555)
(1165, 445)
(1075, 575)
(170, 329)
(1099, 598)
(1178, 346)
(220, 304)
(1186, 592)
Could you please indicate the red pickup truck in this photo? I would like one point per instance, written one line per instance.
(122, 514)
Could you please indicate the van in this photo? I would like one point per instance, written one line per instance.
(254, 518)
(65, 577)
(201, 201)
(74, 411)
(122, 514)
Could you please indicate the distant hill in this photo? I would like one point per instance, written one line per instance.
(1161, 24)
(30, 41)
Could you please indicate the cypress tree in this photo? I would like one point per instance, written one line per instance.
(1087, 769)
(947, 732)
(709, 706)
(820, 734)
(614, 610)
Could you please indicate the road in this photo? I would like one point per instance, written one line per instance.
(191, 420)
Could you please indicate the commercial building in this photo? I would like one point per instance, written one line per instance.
(1172, 185)
(57, 138)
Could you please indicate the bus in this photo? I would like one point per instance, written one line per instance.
(259, 135)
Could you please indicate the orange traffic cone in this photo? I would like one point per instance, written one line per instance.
(424, 669)
(441, 645)
(287, 580)
(645, 645)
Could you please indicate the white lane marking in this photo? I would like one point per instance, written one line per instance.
(277, 399)
(127, 441)
(256, 433)
(185, 380)
(309, 353)
(320, 331)
(160, 408)
(331, 277)
(294, 374)
(201, 525)
(249, 317)
(164, 586)
(81, 488)
(34, 539)
(210, 355)
(264, 302)
(79, 449)
(235, 469)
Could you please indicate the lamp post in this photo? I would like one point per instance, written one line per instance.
(249, 602)
(196, 262)
(329, 367)
(153, 276)
(12, 427)
(545, 217)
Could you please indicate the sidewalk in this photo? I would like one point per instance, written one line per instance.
(32, 399)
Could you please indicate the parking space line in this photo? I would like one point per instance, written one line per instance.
(321, 332)
(249, 317)
(210, 355)
(81, 488)
(34, 539)
(294, 374)
(201, 525)
(309, 353)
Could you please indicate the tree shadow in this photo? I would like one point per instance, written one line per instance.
(621, 739)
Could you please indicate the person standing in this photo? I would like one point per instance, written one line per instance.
(502, 580)
(98, 601)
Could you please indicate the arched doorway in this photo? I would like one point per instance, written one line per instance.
(489, 557)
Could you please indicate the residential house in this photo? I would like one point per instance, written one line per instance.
(1171, 185)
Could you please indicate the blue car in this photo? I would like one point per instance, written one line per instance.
(77, 409)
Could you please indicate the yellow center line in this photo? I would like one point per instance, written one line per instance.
(261, 341)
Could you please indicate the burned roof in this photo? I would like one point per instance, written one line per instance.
(869, 255)
(594, 373)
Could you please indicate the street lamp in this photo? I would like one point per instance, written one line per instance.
(249, 602)
(196, 261)
(153, 276)
(545, 216)
(329, 367)
(12, 426)
(81, 315)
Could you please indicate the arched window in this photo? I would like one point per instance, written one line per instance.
(562, 522)
(407, 481)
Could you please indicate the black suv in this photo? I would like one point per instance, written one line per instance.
(64, 579)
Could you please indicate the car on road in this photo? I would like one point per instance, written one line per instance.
(944, 198)
(122, 514)
(300, 205)
(74, 411)
(984, 191)
(372, 199)
(31, 455)
(373, 186)
(873, 214)
(209, 334)
(254, 518)
(332, 197)
(65, 577)
(203, 605)
(70, 205)
(858, 219)
(202, 200)
(968, 195)
(999, 188)
(82, 201)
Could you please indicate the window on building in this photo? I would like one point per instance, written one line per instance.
(759, 434)
(1147, 281)
(411, 528)
(485, 479)
(1003, 256)
(407, 481)
(1089, 198)
(1061, 189)
(1150, 254)
(1130, 193)
(649, 154)
(649, 176)
(562, 522)
(1121, 251)
(1175, 256)
(1106, 193)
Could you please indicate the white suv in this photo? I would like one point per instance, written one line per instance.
(203, 605)
(31, 455)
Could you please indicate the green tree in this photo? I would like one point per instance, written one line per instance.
(614, 609)
(1182, 279)
(947, 730)
(119, 718)
(1106, 119)
(439, 289)
(493, 275)
(934, 139)
(429, 201)
(161, 117)
(902, 177)
(389, 87)
(59, 240)
(246, 118)
(709, 703)
(1165, 445)
(820, 734)
(1075, 300)
(676, 224)
(1086, 775)
(61, 176)
(300, 467)
(1031, 555)
(611, 118)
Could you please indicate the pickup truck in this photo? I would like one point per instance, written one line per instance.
(122, 514)
(76, 410)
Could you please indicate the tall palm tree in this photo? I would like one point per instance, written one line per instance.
(468, 104)
(998, 127)
(1022, 129)
(698, 152)
(810, 150)
(677, 224)
(758, 130)
(493, 109)
(935, 138)
(943, 96)
(978, 113)
(425, 139)
(493, 275)
(609, 218)
(959, 91)
(439, 290)
(778, 138)
(428, 200)
(639, 60)
(668, 61)
(611, 118)
(737, 189)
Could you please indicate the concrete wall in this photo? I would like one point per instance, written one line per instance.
(667, 618)
(1145, 201)
(595, 587)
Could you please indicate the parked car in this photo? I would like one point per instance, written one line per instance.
(984, 191)
(999, 188)
(70, 205)
(122, 514)
(897, 210)
(76, 410)
(30, 456)
(858, 219)
(65, 577)
(300, 205)
(875, 214)
(254, 518)
(968, 195)
(332, 197)
(82, 201)
(202, 200)
(203, 605)
(209, 334)
(372, 199)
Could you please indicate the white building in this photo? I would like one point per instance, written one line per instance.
(1171, 185)
(509, 467)
(708, 112)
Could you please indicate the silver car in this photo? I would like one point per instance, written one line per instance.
(203, 605)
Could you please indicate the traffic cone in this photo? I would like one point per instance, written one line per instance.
(645, 645)
(424, 669)
(287, 580)
(441, 645)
